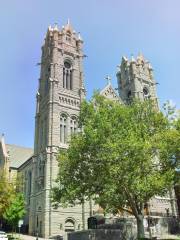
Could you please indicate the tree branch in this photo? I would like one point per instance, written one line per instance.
(131, 202)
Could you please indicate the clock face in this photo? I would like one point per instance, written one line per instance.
(67, 65)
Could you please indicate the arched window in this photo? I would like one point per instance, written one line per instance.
(67, 75)
(63, 128)
(146, 93)
(73, 125)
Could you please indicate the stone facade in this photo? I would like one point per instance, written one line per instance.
(60, 92)
(135, 79)
(12, 157)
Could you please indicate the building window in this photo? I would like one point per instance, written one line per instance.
(29, 186)
(73, 125)
(129, 97)
(146, 93)
(129, 94)
(63, 128)
(68, 37)
(67, 75)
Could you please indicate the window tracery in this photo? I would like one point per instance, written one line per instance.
(67, 75)
(63, 128)
(73, 125)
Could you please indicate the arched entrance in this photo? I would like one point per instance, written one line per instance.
(69, 225)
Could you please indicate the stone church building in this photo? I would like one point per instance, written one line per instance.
(60, 93)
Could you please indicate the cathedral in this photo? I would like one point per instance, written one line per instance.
(58, 99)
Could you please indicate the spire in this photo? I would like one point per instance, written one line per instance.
(68, 22)
(68, 26)
(108, 78)
(3, 145)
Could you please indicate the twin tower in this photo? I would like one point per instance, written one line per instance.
(61, 90)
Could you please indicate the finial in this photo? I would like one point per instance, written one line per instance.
(118, 68)
(108, 78)
(132, 58)
(50, 28)
(68, 26)
(150, 67)
(124, 58)
(55, 26)
(140, 56)
(79, 36)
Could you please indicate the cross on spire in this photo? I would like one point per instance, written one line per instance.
(108, 78)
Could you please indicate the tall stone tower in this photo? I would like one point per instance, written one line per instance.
(135, 79)
(59, 95)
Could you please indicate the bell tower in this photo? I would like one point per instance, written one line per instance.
(61, 86)
(135, 79)
(60, 92)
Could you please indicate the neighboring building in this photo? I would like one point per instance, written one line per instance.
(61, 90)
(12, 157)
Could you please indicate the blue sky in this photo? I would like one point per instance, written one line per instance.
(110, 29)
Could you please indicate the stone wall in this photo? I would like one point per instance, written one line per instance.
(99, 234)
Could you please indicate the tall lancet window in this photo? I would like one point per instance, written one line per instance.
(67, 75)
(73, 125)
(63, 128)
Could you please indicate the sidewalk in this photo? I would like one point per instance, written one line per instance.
(28, 237)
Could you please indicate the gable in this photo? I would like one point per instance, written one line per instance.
(109, 92)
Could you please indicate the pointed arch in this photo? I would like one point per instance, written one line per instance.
(68, 74)
(63, 127)
(73, 124)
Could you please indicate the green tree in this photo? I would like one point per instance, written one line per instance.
(119, 159)
(15, 211)
(7, 192)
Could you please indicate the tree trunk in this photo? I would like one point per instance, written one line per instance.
(140, 227)
(83, 215)
(90, 208)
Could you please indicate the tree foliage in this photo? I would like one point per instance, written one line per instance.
(12, 204)
(15, 211)
(7, 192)
(123, 156)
